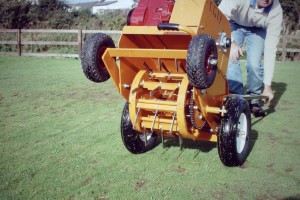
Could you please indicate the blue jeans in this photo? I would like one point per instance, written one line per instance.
(254, 38)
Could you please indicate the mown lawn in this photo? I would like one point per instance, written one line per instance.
(60, 139)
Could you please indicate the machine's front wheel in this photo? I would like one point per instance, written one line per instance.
(129, 17)
(135, 142)
(91, 57)
(235, 132)
(201, 61)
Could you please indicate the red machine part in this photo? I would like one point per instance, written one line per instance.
(151, 12)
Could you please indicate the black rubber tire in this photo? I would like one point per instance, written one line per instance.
(131, 138)
(229, 152)
(91, 57)
(129, 17)
(200, 73)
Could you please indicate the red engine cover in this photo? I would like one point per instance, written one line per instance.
(151, 12)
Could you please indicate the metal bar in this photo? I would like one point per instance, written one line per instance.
(180, 141)
(151, 107)
(155, 115)
(249, 97)
(171, 127)
(136, 117)
(160, 102)
(147, 53)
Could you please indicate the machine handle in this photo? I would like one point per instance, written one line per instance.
(175, 27)
(168, 27)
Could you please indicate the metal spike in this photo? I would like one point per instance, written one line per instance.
(145, 135)
(180, 142)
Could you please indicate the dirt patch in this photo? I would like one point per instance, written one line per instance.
(56, 110)
(180, 169)
(287, 170)
(273, 139)
(101, 198)
(261, 197)
(87, 181)
(285, 102)
(197, 191)
(270, 165)
(1, 98)
(286, 131)
(244, 165)
(219, 195)
(296, 142)
(140, 184)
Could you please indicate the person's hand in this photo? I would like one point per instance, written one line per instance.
(235, 52)
(269, 93)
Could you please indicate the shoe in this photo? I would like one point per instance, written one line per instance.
(257, 110)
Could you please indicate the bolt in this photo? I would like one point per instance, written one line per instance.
(126, 86)
(212, 61)
(200, 116)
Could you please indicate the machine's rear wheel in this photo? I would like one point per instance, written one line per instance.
(202, 51)
(91, 57)
(235, 132)
(134, 141)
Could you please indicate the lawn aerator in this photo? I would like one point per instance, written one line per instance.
(171, 69)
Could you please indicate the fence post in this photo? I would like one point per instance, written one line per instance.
(284, 44)
(19, 39)
(79, 42)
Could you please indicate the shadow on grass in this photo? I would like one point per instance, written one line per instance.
(199, 145)
(279, 89)
(253, 139)
(296, 197)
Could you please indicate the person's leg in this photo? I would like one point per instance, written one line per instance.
(234, 72)
(255, 38)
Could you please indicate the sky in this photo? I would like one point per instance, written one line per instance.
(120, 3)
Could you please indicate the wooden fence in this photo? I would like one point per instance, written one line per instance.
(19, 42)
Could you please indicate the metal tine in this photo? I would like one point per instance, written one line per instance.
(145, 136)
(182, 67)
(155, 115)
(171, 127)
(147, 67)
(162, 138)
(171, 94)
(154, 90)
(159, 63)
(176, 64)
(180, 142)
(165, 68)
(136, 117)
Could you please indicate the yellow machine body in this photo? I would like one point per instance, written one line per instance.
(151, 73)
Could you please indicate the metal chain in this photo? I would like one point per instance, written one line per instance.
(191, 111)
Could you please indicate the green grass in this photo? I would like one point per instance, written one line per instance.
(60, 139)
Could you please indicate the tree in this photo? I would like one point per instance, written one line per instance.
(52, 14)
(15, 13)
(291, 16)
